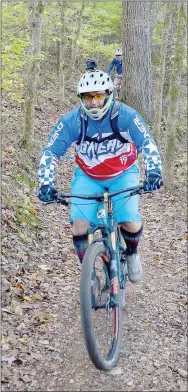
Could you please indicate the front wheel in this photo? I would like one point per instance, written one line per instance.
(101, 322)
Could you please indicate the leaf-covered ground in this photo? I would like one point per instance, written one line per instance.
(42, 341)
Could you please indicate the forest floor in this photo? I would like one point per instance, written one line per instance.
(42, 341)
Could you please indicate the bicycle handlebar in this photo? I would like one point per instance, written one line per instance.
(62, 197)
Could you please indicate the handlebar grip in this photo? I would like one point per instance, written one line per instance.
(63, 202)
(61, 199)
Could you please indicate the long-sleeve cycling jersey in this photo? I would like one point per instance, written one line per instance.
(103, 159)
(117, 64)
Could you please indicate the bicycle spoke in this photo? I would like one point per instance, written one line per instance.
(105, 319)
(101, 317)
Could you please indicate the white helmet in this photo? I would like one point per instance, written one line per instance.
(95, 81)
(118, 52)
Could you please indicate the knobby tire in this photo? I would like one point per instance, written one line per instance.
(97, 357)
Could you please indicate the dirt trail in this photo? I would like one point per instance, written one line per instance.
(43, 347)
(153, 349)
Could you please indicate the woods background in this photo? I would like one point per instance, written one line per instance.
(44, 48)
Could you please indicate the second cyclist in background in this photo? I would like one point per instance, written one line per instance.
(117, 65)
(91, 64)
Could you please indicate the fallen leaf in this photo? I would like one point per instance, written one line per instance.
(172, 198)
(145, 325)
(9, 149)
(44, 268)
(44, 341)
(20, 287)
(23, 341)
(26, 298)
(43, 317)
(36, 297)
(115, 371)
(54, 315)
(18, 310)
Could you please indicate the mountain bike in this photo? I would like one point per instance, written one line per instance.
(117, 85)
(103, 279)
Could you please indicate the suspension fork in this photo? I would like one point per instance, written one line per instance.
(114, 281)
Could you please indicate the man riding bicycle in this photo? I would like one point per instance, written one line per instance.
(91, 64)
(106, 159)
(117, 63)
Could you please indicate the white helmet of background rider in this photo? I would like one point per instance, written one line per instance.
(118, 52)
(95, 81)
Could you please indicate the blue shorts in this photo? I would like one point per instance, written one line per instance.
(125, 208)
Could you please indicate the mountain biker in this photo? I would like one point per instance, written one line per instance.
(105, 160)
(116, 63)
(91, 64)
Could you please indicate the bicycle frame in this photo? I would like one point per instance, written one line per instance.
(117, 80)
(117, 85)
(105, 294)
(110, 233)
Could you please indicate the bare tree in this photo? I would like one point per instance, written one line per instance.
(137, 79)
(169, 60)
(174, 94)
(35, 16)
(74, 43)
(159, 93)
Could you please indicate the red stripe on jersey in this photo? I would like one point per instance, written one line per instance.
(111, 167)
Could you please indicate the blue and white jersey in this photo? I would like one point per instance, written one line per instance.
(103, 159)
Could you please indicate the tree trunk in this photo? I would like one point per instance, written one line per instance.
(62, 54)
(136, 88)
(159, 94)
(35, 16)
(169, 61)
(174, 93)
(75, 43)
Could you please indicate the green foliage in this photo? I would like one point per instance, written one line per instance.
(23, 177)
(158, 33)
(17, 195)
(15, 40)
(102, 29)
(100, 35)
(26, 214)
(23, 212)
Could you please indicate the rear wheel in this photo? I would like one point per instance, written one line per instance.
(102, 323)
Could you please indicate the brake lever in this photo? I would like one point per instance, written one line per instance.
(139, 192)
(49, 202)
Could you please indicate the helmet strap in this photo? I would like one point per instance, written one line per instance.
(97, 113)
